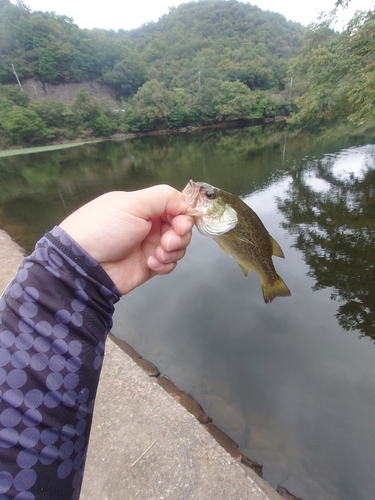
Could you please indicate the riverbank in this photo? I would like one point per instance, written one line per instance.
(144, 444)
(78, 141)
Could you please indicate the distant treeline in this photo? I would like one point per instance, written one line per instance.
(335, 72)
(223, 40)
(203, 62)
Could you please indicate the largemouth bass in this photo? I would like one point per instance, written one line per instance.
(239, 232)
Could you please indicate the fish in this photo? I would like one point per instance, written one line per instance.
(239, 232)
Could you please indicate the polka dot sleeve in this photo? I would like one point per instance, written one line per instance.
(54, 318)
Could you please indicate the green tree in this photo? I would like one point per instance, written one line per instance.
(14, 95)
(235, 101)
(84, 106)
(152, 103)
(360, 44)
(203, 104)
(181, 113)
(127, 75)
(51, 112)
(338, 72)
(169, 73)
(23, 125)
(101, 125)
(57, 63)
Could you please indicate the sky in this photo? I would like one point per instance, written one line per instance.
(114, 14)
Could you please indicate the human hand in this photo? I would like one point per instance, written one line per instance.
(133, 235)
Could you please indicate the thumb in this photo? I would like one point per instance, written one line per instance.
(155, 201)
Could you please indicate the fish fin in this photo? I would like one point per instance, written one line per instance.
(222, 247)
(276, 289)
(245, 270)
(245, 240)
(276, 249)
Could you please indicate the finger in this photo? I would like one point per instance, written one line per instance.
(182, 224)
(171, 241)
(166, 257)
(154, 202)
(165, 227)
(159, 267)
(152, 241)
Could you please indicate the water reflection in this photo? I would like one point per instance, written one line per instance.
(334, 224)
(288, 381)
(40, 189)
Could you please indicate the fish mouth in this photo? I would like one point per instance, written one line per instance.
(191, 191)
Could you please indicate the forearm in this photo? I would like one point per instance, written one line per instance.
(54, 318)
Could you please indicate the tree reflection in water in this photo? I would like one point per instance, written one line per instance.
(335, 230)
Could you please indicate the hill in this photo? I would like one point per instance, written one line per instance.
(202, 62)
(227, 40)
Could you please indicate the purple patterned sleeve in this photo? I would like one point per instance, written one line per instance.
(54, 318)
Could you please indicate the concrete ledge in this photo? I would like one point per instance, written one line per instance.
(190, 405)
(11, 256)
(145, 445)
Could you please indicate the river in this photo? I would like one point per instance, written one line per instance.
(293, 382)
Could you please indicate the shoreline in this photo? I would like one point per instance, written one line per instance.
(118, 137)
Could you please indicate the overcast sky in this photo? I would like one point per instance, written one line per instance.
(115, 14)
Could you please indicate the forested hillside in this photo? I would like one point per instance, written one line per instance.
(335, 72)
(225, 40)
(203, 62)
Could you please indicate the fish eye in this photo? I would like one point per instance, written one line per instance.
(210, 195)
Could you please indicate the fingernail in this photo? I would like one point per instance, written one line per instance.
(168, 257)
(173, 242)
(188, 226)
(154, 263)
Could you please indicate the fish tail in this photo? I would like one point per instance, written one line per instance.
(276, 289)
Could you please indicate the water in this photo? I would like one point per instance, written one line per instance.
(293, 381)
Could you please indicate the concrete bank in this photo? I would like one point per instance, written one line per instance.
(144, 445)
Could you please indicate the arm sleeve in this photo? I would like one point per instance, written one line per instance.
(54, 318)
